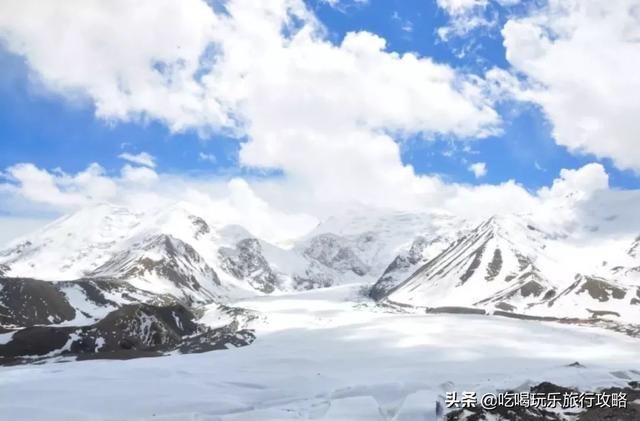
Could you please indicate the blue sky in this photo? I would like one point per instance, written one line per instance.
(51, 131)
(59, 128)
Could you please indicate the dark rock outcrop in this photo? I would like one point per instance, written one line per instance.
(26, 302)
(332, 251)
(246, 262)
(165, 257)
(398, 269)
(135, 329)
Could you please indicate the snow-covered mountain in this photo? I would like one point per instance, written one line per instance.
(105, 262)
(629, 268)
(174, 251)
(360, 245)
(185, 251)
(591, 296)
(509, 264)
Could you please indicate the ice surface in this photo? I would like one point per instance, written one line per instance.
(325, 355)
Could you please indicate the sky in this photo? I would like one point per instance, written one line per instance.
(292, 110)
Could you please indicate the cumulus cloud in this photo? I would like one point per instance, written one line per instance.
(27, 189)
(57, 188)
(138, 175)
(131, 59)
(479, 169)
(579, 183)
(264, 71)
(265, 206)
(142, 158)
(577, 59)
(582, 57)
(328, 115)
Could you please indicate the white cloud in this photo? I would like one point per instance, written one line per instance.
(464, 17)
(579, 184)
(209, 157)
(28, 190)
(131, 59)
(458, 7)
(142, 158)
(325, 114)
(583, 57)
(138, 175)
(344, 5)
(59, 189)
(572, 198)
(405, 24)
(479, 169)
(577, 198)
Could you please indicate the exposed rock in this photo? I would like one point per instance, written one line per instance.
(400, 268)
(528, 285)
(329, 249)
(495, 265)
(167, 258)
(26, 302)
(600, 289)
(136, 329)
(495, 258)
(475, 263)
(201, 227)
(594, 296)
(455, 310)
(246, 261)
(634, 251)
(312, 279)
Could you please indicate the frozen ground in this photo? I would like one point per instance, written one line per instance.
(325, 355)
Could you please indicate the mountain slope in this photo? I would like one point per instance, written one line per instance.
(508, 264)
(71, 245)
(497, 264)
(165, 265)
(407, 262)
(174, 250)
(591, 296)
(359, 244)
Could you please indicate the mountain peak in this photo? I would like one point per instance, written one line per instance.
(498, 258)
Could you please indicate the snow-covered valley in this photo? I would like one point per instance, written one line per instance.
(326, 354)
(370, 316)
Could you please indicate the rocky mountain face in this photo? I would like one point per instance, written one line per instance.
(593, 296)
(507, 264)
(167, 264)
(362, 246)
(246, 262)
(485, 266)
(407, 262)
(100, 318)
(329, 259)
(106, 267)
(137, 287)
